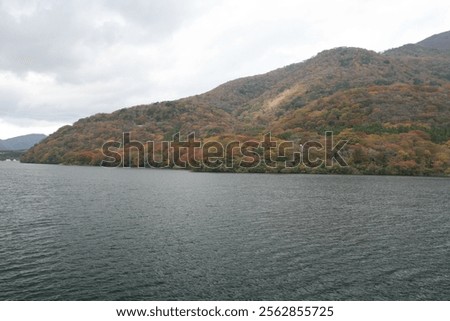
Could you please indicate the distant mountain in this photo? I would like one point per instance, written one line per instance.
(393, 107)
(21, 142)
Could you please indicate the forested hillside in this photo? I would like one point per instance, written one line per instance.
(392, 107)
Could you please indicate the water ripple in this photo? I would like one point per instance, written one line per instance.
(77, 233)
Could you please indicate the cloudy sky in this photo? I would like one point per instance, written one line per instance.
(64, 60)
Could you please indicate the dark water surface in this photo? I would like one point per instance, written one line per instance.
(85, 233)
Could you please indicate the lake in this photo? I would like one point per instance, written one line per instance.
(90, 233)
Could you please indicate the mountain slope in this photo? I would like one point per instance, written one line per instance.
(393, 107)
(21, 142)
(440, 41)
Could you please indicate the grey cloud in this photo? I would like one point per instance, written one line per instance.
(61, 35)
(41, 41)
(157, 17)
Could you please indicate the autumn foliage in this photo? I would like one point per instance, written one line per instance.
(394, 108)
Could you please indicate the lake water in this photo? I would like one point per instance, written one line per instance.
(85, 233)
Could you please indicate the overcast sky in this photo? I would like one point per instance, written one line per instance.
(64, 60)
